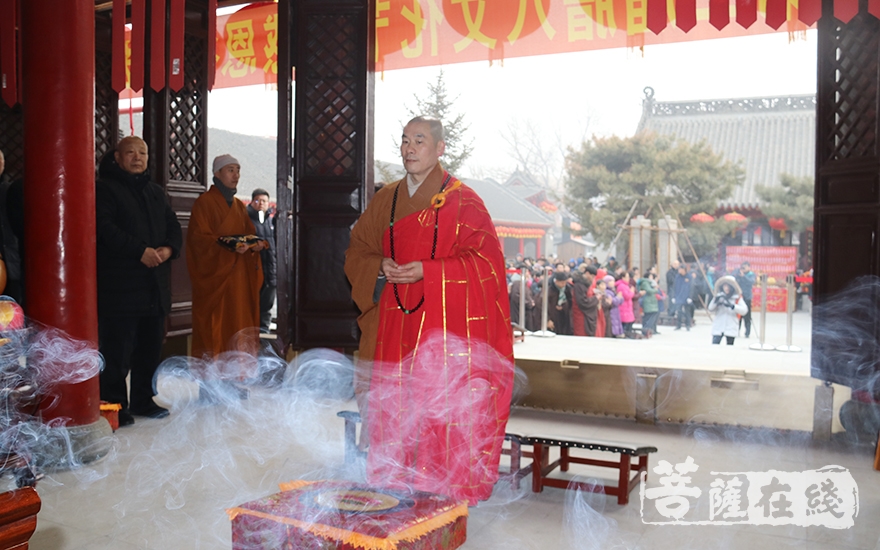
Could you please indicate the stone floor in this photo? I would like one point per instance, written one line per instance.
(168, 483)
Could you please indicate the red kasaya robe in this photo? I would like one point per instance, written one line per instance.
(225, 284)
(442, 376)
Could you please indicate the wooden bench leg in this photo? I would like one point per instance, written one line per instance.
(515, 462)
(623, 480)
(351, 450)
(563, 459)
(538, 461)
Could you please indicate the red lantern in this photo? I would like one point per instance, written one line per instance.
(702, 217)
(735, 217)
(779, 225)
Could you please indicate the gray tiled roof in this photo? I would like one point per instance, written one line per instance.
(507, 208)
(522, 185)
(768, 136)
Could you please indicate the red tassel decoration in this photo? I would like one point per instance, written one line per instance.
(212, 42)
(809, 11)
(8, 52)
(844, 10)
(746, 12)
(157, 45)
(138, 30)
(719, 13)
(656, 17)
(175, 45)
(685, 14)
(117, 70)
(776, 13)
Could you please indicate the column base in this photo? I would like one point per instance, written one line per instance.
(69, 447)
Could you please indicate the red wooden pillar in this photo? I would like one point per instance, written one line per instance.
(538, 247)
(58, 47)
(522, 246)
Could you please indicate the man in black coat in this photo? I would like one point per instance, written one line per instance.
(258, 210)
(137, 234)
(559, 304)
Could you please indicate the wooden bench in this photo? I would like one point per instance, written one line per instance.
(512, 447)
(541, 467)
(628, 474)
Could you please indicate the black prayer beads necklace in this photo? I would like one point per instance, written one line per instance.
(433, 246)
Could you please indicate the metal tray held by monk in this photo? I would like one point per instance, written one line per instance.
(236, 242)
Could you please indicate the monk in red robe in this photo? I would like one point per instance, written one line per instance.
(225, 282)
(427, 273)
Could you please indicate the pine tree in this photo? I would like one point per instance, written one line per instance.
(665, 174)
(436, 104)
(792, 200)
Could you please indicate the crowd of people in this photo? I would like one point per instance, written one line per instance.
(588, 298)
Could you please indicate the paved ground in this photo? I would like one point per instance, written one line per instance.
(168, 482)
(683, 349)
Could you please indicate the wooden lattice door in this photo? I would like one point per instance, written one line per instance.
(176, 130)
(847, 207)
(332, 167)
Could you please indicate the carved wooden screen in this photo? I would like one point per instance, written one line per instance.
(332, 164)
(847, 208)
(12, 139)
(175, 128)
(106, 99)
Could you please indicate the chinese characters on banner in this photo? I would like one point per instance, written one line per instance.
(825, 497)
(774, 261)
(413, 33)
(417, 33)
(246, 52)
(247, 47)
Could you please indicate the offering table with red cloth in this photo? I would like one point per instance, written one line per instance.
(345, 515)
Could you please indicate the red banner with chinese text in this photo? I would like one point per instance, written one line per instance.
(246, 50)
(416, 33)
(412, 33)
(774, 261)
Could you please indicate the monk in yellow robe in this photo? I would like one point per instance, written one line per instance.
(427, 273)
(225, 282)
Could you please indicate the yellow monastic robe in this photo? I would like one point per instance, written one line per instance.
(225, 284)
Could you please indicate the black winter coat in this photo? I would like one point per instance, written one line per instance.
(132, 214)
(265, 230)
